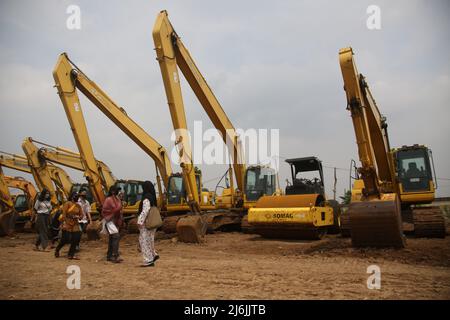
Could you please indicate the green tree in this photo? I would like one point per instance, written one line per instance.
(347, 197)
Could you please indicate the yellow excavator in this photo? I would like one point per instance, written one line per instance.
(72, 159)
(19, 206)
(62, 156)
(62, 181)
(69, 77)
(393, 182)
(171, 55)
(6, 206)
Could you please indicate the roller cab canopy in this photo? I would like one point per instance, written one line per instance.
(305, 164)
(302, 185)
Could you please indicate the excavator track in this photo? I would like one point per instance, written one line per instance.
(377, 223)
(429, 222)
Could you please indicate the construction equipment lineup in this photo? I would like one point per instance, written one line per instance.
(391, 196)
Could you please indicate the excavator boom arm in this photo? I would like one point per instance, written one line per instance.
(170, 53)
(64, 79)
(68, 78)
(370, 128)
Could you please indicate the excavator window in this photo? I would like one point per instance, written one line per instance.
(176, 189)
(132, 191)
(21, 203)
(414, 170)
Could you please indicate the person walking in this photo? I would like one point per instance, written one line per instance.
(146, 236)
(86, 208)
(112, 214)
(43, 208)
(71, 229)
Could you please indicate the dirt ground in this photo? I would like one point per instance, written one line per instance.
(230, 266)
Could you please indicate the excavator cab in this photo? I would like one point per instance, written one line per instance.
(132, 191)
(259, 181)
(21, 203)
(414, 170)
(76, 187)
(307, 176)
(176, 193)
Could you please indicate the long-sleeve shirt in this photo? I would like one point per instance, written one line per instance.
(44, 207)
(143, 215)
(71, 212)
(112, 210)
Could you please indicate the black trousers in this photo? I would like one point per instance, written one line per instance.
(54, 228)
(83, 226)
(72, 238)
(113, 246)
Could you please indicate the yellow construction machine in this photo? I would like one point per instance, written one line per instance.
(303, 212)
(68, 78)
(6, 205)
(19, 206)
(171, 55)
(61, 180)
(393, 182)
(171, 198)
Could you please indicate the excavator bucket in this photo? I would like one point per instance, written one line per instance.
(291, 216)
(5, 222)
(377, 223)
(191, 229)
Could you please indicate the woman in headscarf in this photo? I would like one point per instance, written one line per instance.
(43, 208)
(112, 214)
(146, 236)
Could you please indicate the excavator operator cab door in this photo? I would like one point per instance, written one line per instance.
(259, 181)
(176, 194)
(414, 170)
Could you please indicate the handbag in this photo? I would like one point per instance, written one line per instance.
(111, 227)
(153, 220)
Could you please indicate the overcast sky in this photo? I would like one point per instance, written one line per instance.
(271, 64)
